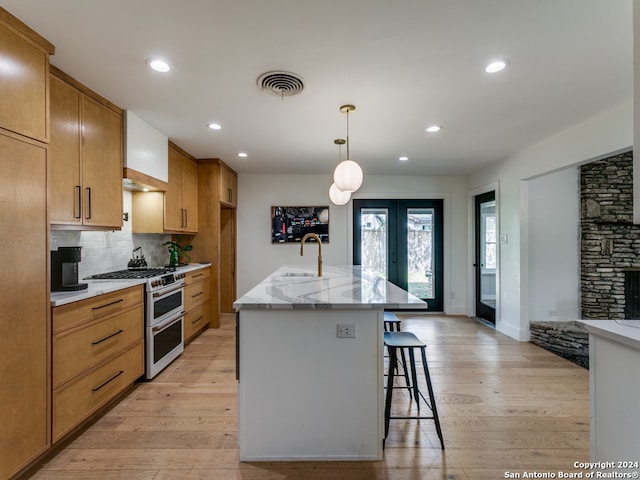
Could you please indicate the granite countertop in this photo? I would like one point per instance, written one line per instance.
(626, 332)
(100, 287)
(341, 287)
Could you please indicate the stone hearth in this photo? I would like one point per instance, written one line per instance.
(569, 340)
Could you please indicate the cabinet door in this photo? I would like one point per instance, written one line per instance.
(228, 186)
(173, 213)
(101, 165)
(23, 86)
(190, 195)
(65, 189)
(24, 333)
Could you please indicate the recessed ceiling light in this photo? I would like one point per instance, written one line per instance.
(158, 65)
(403, 159)
(215, 126)
(496, 66)
(243, 155)
(433, 128)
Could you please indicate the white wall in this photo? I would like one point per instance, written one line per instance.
(257, 257)
(597, 137)
(553, 244)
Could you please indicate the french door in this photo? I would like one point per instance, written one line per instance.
(402, 241)
(486, 255)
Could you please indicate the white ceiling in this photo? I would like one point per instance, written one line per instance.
(404, 64)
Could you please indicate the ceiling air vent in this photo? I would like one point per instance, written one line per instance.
(283, 84)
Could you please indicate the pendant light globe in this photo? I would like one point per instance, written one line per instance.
(337, 196)
(348, 176)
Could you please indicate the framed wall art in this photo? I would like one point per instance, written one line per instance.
(290, 224)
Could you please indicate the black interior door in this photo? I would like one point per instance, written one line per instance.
(402, 240)
(485, 262)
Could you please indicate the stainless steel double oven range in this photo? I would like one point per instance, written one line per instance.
(164, 312)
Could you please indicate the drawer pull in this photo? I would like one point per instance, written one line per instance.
(107, 337)
(108, 381)
(197, 320)
(197, 294)
(198, 275)
(107, 304)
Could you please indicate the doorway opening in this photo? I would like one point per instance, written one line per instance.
(486, 256)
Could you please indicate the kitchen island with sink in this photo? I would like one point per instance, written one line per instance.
(310, 364)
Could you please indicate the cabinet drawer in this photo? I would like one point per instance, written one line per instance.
(77, 350)
(196, 295)
(196, 320)
(83, 311)
(76, 401)
(197, 276)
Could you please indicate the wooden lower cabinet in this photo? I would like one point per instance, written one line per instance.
(197, 296)
(75, 402)
(97, 353)
(196, 320)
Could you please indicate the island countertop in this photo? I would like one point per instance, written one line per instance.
(340, 287)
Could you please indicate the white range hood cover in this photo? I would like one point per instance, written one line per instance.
(146, 155)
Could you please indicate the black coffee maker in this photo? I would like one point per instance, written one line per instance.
(64, 269)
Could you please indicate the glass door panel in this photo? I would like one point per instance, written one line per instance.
(420, 252)
(374, 238)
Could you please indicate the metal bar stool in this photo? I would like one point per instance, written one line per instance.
(392, 324)
(407, 340)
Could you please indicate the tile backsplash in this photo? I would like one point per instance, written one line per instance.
(111, 250)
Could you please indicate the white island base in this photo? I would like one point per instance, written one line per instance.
(304, 393)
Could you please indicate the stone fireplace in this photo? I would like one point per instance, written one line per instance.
(610, 242)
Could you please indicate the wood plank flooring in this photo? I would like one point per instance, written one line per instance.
(504, 406)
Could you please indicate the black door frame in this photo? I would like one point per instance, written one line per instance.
(397, 250)
(482, 310)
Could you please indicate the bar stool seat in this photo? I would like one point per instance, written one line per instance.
(391, 322)
(402, 341)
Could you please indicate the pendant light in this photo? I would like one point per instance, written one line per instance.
(348, 175)
(336, 195)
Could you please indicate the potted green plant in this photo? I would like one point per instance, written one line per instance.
(176, 250)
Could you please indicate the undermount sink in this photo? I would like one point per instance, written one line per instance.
(297, 274)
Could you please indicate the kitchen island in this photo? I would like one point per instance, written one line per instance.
(614, 358)
(310, 364)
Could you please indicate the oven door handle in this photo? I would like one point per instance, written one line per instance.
(167, 324)
(164, 292)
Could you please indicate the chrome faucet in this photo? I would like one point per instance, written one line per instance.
(317, 238)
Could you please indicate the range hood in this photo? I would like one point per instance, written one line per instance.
(146, 156)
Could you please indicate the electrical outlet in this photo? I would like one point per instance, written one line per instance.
(346, 331)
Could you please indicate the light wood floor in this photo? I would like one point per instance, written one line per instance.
(504, 406)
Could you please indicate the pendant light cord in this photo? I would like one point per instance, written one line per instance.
(348, 135)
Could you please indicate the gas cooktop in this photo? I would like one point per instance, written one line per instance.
(128, 274)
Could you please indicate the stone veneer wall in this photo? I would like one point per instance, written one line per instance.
(610, 242)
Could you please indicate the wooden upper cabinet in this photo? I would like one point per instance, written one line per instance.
(23, 79)
(173, 213)
(86, 159)
(190, 194)
(181, 197)
(228, 187)
(101, 165)
(65, 181)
